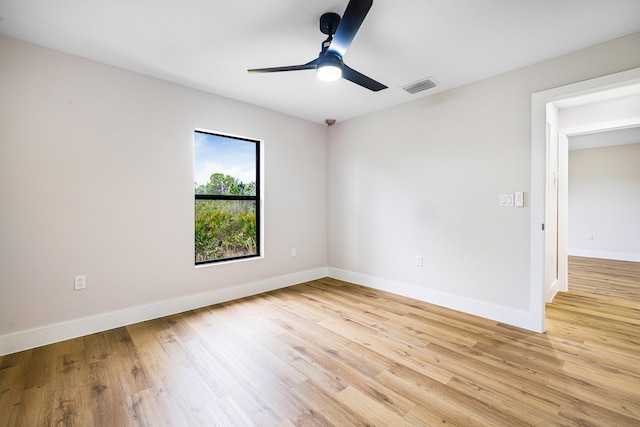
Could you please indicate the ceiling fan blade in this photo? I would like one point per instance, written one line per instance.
(360, 79)
(349, 24)
(308, 66)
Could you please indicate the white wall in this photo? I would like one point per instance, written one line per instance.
(604, 201)
(424, 178)
(96, 178)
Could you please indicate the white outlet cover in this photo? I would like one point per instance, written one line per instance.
(79, 283)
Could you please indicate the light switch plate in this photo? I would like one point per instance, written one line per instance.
(506, 200)
(519, 199)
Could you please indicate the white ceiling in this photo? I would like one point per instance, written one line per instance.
(209, 44)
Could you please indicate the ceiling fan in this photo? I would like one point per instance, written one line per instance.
(329, 65)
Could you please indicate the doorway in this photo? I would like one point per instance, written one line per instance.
(549, 261)
(604, 190)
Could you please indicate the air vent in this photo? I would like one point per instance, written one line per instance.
(420, 85)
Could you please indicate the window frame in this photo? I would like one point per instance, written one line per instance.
(230, 197)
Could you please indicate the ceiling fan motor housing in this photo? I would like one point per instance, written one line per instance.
(329, 22)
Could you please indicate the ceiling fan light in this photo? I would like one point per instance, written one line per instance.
(328, 72)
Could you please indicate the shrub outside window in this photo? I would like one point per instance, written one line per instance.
(227, 191)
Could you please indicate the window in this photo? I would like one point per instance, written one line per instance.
(227, 191)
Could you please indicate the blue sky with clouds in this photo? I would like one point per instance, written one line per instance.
(230, 156)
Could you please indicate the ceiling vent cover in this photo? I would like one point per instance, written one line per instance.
(420, 85)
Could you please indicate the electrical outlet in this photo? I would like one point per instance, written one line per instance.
(294, 252)
(419, 261)
(79, 283)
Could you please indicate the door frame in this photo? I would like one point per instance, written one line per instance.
(539, 158)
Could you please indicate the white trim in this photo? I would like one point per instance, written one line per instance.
(563, 213)
(478, 308)
(553, 290)
(617, 256)
(600, 126)
(537, 294)
(48, 334)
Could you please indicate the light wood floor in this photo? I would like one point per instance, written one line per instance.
(332, 353)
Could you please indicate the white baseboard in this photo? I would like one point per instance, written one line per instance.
(48, 334)
(553, 290)
(617, 256)
(521, 319)
(23, 340)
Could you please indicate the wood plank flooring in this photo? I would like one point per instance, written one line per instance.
(330, 353)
